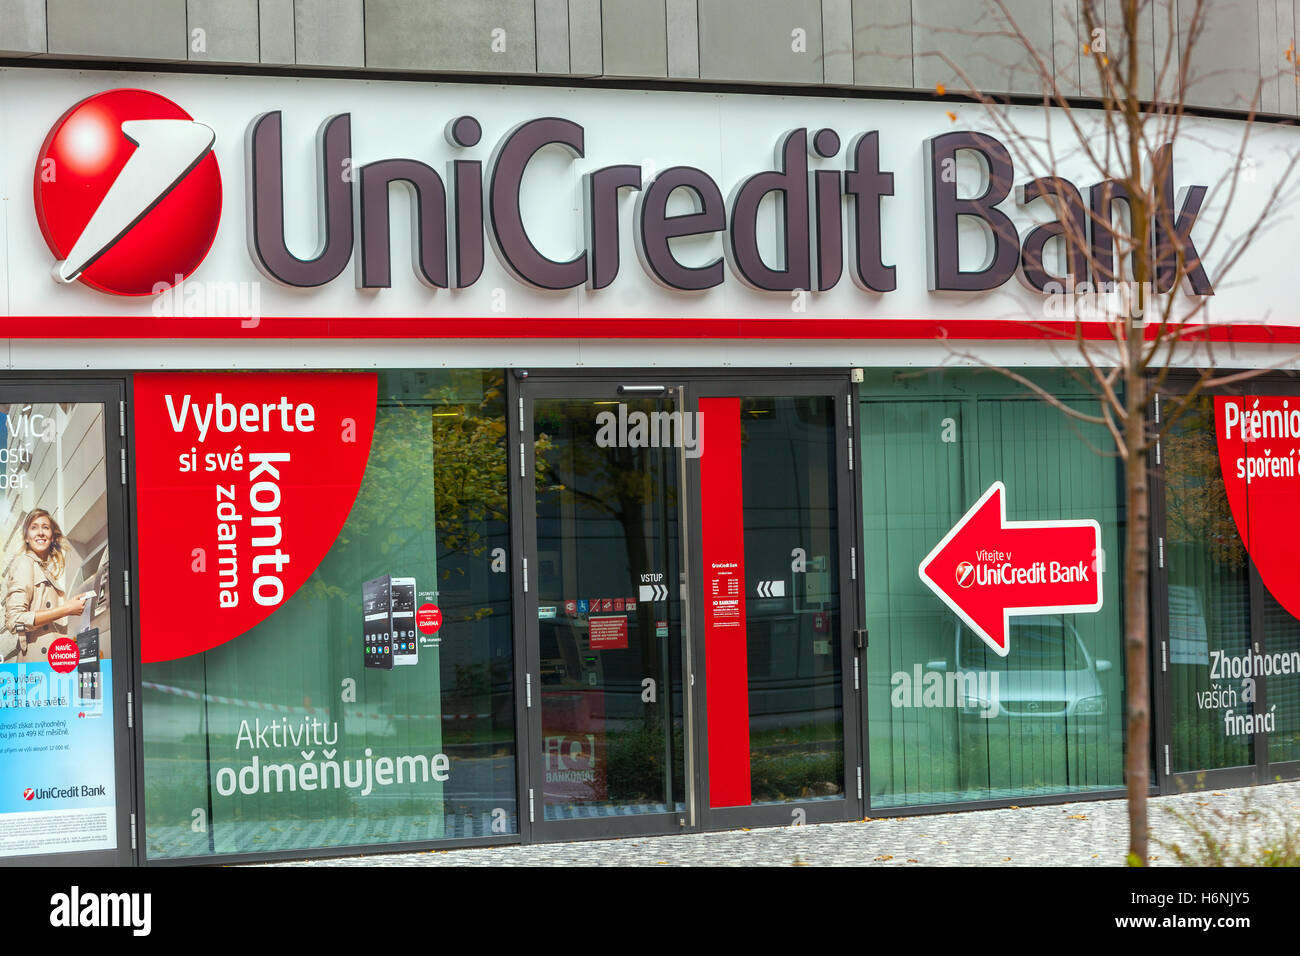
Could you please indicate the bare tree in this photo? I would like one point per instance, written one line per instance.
(1126, 254)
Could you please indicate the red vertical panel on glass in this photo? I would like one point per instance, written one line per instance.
(726, 668)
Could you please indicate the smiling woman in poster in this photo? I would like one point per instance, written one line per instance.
(35, 605)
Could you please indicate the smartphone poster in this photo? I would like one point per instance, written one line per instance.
(57, 748)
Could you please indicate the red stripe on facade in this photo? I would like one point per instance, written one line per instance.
(722, 525)
(666, 327)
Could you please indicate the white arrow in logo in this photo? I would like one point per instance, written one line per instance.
(166, 150)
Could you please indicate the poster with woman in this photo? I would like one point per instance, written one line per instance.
(56, 678)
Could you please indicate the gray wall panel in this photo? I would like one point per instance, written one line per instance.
(229, 30)
(1223, 58)
(275, 31)
(763, 41)
(837, 42)
(486, 36)
(329, 32)
(1155, 34)
(634, 37)
(683, 39)
(22, 27)
(1287, 86)
(965, 43)
(1277, 56)
(1067, 46)
(1094, 15)
(552, 17)
(1270, 55)
(1166, 58)
(129, 29)
(882, 43)
(585, 57)
(1147, 41)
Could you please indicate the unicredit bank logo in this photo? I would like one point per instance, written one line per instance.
(127, 191)
(128, 196)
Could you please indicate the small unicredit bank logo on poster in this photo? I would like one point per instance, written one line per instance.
(127, 192)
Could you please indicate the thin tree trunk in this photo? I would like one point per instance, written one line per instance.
(1137, 760)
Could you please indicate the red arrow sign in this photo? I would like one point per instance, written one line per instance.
(987, 568)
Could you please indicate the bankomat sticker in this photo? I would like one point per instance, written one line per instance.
(608, 632)
(58, 784)
(988, 569)
(244, 481)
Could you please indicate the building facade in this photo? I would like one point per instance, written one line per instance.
(523, 421)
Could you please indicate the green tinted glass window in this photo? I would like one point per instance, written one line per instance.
(287, 738)
(949, 719)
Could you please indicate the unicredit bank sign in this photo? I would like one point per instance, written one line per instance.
(376, 200)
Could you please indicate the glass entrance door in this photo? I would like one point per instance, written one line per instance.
(774, 553)
(700, 537)
(601, 473)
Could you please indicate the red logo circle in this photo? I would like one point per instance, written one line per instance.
(63, 655)
(29, 793)
(160, 220)
(428, 618)
(965, 574)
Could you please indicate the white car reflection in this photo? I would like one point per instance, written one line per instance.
(1048, 673)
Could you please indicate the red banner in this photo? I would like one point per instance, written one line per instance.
(1259, 455)
(722, 522)
(244, 481)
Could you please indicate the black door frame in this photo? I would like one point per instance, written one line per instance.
(534, 827)
(110, 392)
(773, 384)
(689, 384)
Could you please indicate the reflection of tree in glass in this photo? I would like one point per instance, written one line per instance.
(1198, 509)
(437, 467)
(634, 486)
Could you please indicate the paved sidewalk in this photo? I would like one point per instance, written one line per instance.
(1093, 833)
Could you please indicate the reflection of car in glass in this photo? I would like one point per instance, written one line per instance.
(1048, 673)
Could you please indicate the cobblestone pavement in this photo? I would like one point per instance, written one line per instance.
(1092, 833)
